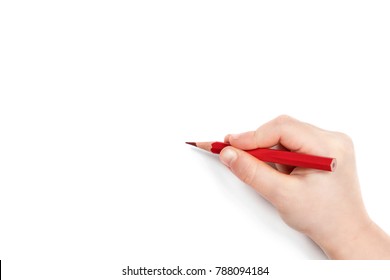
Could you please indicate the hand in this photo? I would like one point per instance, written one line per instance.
(326, 206)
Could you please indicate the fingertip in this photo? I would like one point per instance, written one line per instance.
(228, 156)
(244, 141)
(236, 136)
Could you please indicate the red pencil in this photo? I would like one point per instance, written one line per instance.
(276, 156)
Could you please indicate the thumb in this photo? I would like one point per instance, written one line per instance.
(262, 177)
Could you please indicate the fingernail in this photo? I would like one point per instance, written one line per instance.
(228, 156)
(235, 136)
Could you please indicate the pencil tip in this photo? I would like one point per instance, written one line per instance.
(191, 143)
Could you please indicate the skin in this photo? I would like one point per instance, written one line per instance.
(326, 206)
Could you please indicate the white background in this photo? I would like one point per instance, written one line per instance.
(98, 97)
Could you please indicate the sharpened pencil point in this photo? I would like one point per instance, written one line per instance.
(191, 143)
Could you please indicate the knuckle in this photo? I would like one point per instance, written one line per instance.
(346, 138)
(283, 119)
(345, 142)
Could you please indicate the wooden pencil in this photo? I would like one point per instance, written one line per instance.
(276, 156)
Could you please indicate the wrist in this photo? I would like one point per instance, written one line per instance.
(365, 241)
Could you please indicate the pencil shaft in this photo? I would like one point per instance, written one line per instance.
(279, 156)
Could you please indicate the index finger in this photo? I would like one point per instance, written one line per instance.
(292, 134)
